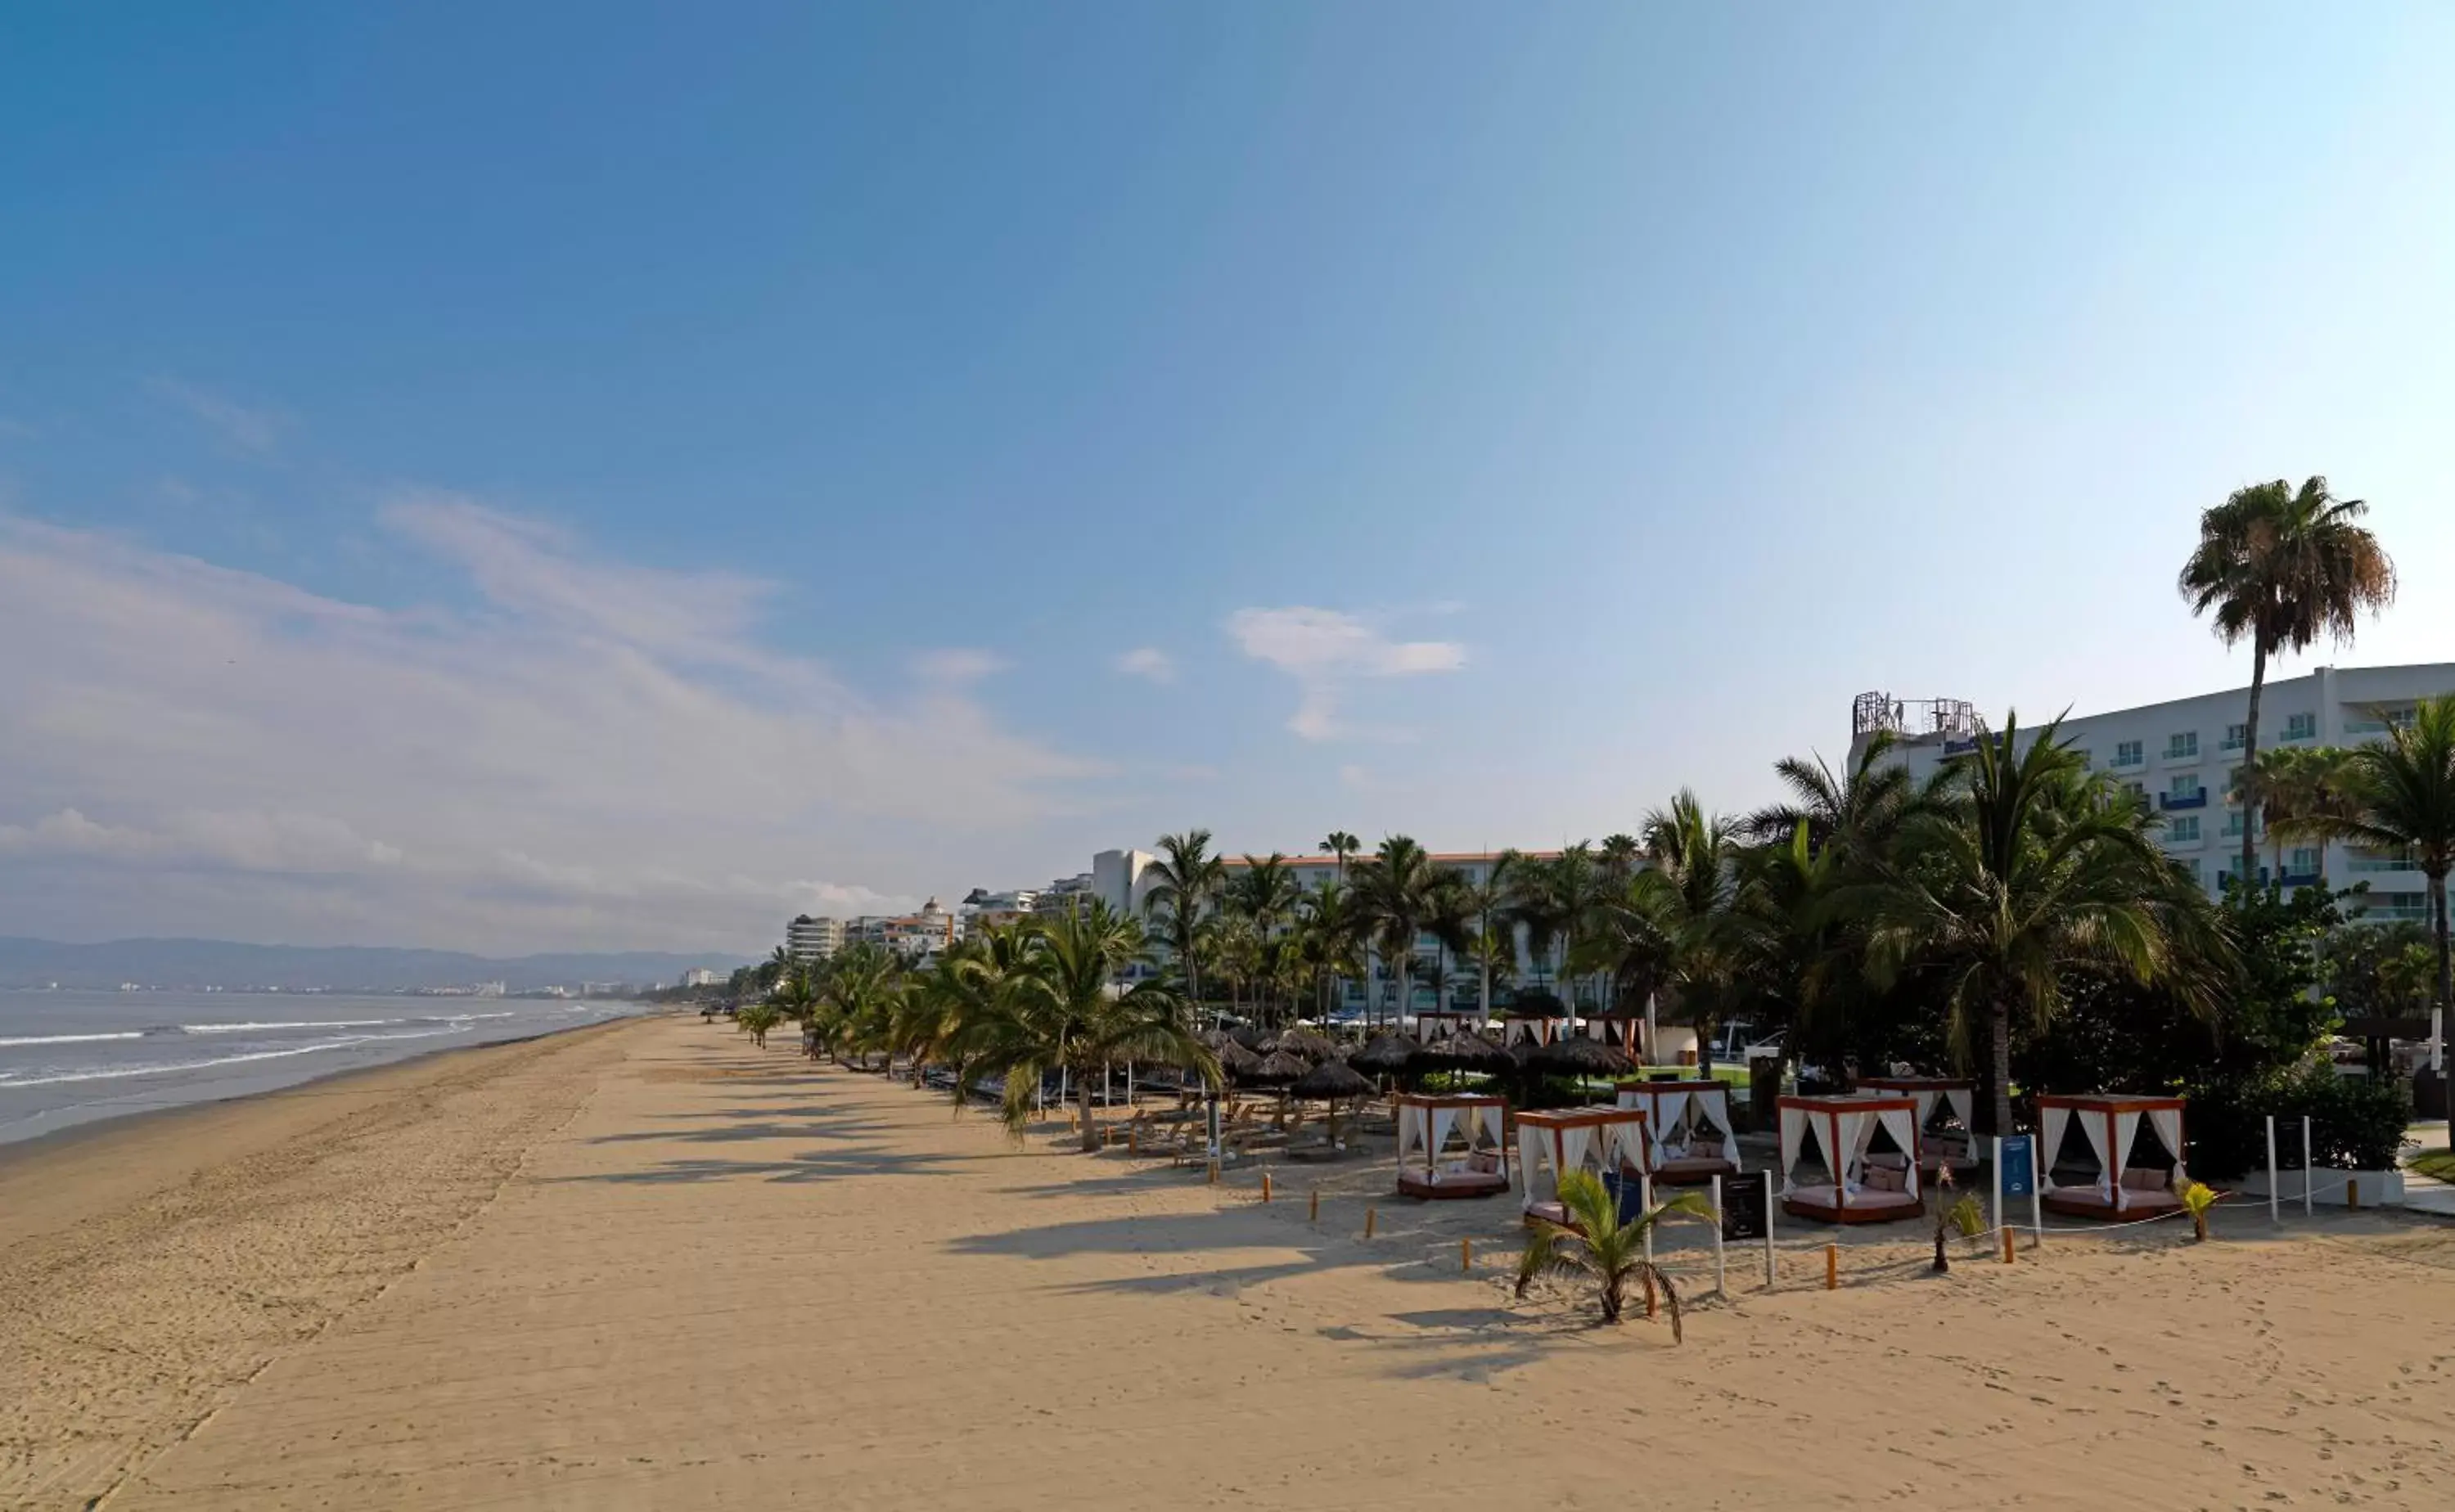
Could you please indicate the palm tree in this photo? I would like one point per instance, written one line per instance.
(755, 1019)
(2401, 793)
(2026, 873)
(1064, 1008)
(1686, 898)
(2282, 566)
(1187, 886)
(1860, 808)
(2306, 794)
(1595, 1245)
(1341, 844)
(1393, 892)
(1494, 943)
(772, 970)
(863, 988)
(1448, 917)
(1330, 936)
(1264, 891)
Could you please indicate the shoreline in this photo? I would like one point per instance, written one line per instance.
(172, 1142)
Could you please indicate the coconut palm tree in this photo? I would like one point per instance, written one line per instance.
(1595, 1245)
(1491, 945)
(1329, 938)
(1187, 882)
(1393, 892)
(863, 988)
(2402, 798)
(1860, 808)
(1065, 1008)
(1341, 844)
(756, 1018)
(2283, 566)
(1264, 892)
(2026, 873)
(1688, 892)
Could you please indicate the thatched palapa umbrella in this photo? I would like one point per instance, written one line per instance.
(1236, 1062)
(1305, 1043)
(1277, 1069)
(1464, 1051)
(1331, 1081)
(1387, 1055)
(1577, 1056)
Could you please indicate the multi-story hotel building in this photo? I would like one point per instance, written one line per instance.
(2183, 757)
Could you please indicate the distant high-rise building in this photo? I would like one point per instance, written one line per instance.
(807, 938)
(701, 976)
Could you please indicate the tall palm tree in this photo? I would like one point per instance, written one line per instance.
(864, 986)
(1189, 879)
(1064, 1008)
(2402, 798)
(1684, 897)
(1265, 890)
(2026, 874)
(1341, 844)
(1393, 892)
(2283, 566)
(1861, 807)
(1448, 917)
(1494, 943)
(1330, 937)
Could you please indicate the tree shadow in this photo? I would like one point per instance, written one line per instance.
(866, 1161)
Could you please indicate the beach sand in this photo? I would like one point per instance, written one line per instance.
(648, 1266)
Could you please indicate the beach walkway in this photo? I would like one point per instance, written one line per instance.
(713, 1276)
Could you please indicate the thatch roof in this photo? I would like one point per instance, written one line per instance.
(1236, 1060)
(1577, 1056)
(1331, 1080)
(1464, 1051)
(1278, 1066)
(1387, 1055)
(1307, 1043)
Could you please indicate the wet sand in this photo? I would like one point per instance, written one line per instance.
(648, 1266)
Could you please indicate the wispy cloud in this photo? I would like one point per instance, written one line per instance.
(958, 665)
(251, 428)
(1325, 650)
(595, 753)
(1147, 661)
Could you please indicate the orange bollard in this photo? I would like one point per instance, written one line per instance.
(1266, 1186)
(1466, 1254)
(2007, 1247)
(1369, 1214)
(1832, 1267)
(1134, 1138)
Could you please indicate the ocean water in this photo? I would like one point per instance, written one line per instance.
(69, 1058)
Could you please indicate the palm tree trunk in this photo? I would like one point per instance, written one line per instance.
(2000, 1025)
(1090, 1130)
(2445, 972)
(2250, 754)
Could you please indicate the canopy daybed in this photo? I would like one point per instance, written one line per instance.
(1608, 1142)
(1842, 1128)
(1937, 1149)
(2111, 1121)
(1537, 1024)
(1620, 1029)
(1689, 1123)
(1437, 1024)
(1452, 1145)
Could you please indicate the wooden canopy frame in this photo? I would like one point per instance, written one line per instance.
(1673, 1106)
(1959, 1093)
(1425, 1123)
(1843, 1126)
(1555, 1143)
(2111, 1121)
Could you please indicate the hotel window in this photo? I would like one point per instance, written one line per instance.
(2126, 753)
(2233, 824)
(2182, 746)
(2236, 736)
(2305, 861)
(2185, 828)
(2302, 727)
(2137, 791)
(2185, 788)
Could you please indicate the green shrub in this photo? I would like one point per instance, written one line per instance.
(2355, 1124)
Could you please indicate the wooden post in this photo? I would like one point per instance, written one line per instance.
(1134, 1137)
(1466, 1253)
(1266, 1186)
(2272, 1181)
(1315, 1216)
(2007, 1247)
(2353, 1194)
(1214, 1173)
(1369, 1214)
(1832, 1267)
(1719, 1278)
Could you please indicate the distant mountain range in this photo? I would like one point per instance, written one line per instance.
(340, 968)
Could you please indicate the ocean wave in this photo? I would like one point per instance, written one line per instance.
(71, 1040)
(318, 1023)
(46, 1078)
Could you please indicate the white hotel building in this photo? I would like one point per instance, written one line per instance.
(2182, 757)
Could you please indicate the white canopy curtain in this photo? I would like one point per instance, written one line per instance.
(1444, 1119)
(1531, 1144)
(1625, 1145)
(1713, 1107)
(1412, 1127)
(2168, 1124)
(1902, 1123)
(2053, 1121)
(2126, 1128)
(1798, 1131)
(1964, 1107)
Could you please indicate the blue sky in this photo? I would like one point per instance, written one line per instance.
(510, 476)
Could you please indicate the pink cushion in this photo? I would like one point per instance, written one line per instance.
(1886, 1179)
(2146, 1178)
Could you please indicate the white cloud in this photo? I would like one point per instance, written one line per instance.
(1325, 650)
(596, 755)
(1147, 661)
(956, 665)
(249, 428)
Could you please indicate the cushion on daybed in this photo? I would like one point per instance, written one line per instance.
(2147, 1179)
(1886, 1179)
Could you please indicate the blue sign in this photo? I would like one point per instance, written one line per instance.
(2020, 1166)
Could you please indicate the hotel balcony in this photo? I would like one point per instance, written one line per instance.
(2170, 801)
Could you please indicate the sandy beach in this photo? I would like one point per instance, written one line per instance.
(646, 1264)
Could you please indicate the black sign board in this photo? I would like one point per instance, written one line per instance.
(1743, 1206)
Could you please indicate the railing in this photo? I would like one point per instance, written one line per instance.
(2183, 800)
(2298, 878)
(2176, 752)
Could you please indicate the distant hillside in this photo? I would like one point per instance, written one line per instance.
(225, 963)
